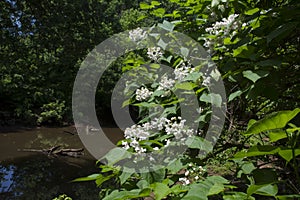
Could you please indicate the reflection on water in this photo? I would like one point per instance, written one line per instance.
(33, 175)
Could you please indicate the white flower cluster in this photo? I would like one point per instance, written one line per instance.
(226, 28)
(192, 174)
(184, 180)
(142, 94)
(154, 53)
(175, 127)
(137, 34)
(166, 83)
(182, 71)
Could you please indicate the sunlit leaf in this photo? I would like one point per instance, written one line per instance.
(273, 121)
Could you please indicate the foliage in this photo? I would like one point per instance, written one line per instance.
(42, 45)
(255, 46)
(62, 197)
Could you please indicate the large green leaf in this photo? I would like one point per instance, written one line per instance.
(185, 86)
(254, 76)
(277, 135)
(273, 121)
(257, 151)
(126, 174)
(234, 95)
(265, 190)
(211, 186)
(115, 155)
(132, 194)
(196, 142)
(214, 99)
(264, 176)
(160, 190)
(167, 26)
(287, 154)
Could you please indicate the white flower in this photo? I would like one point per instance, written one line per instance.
(182, 71)
(227, 27)
(137, 34)
(166, 83)
(206, 81)
(125, 145)
(196, 177)
(154, 53)
(142, 94)
(184, 181)
(168, 142)
(155, 148)
(187, 173)
(199, 110)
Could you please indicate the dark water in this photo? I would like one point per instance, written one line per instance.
(33, 175)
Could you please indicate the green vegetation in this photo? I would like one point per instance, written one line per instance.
(255, 46)
(42, 46)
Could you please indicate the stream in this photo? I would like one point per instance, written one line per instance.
(34, 175)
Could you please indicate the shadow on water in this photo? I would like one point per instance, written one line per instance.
(33, 175)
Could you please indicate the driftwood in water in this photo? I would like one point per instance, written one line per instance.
(57, 151)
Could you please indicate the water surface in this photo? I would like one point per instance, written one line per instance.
(34, 175)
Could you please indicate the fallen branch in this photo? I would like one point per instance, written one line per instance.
(57, 151)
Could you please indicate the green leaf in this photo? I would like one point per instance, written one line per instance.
(210, 186)
(184, 52)
(88, 178)
(144, 6)
(214, 99)
(215, 3)
(159, 12)
(254, 76)
(102, 179)
(257, 151)
(126, 103)
(252, 11)
(287, 154)
(265, 190)
(196, 142)
(248, 167)
(154, 176)
(121, 195)
(177, 189)
(167, 26)
(174, 166)
(273, 121)
(264, 176)
(216, 189)
(197, 191)
(162, 44)
(126, 174)
(185, 86)
(288, 197)
(250, 123)
(160, 190)
(234, 95)
(277, 135)
(155, 3)
(142, 184)
(115, 155)
(217, 179)
(245, 52)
